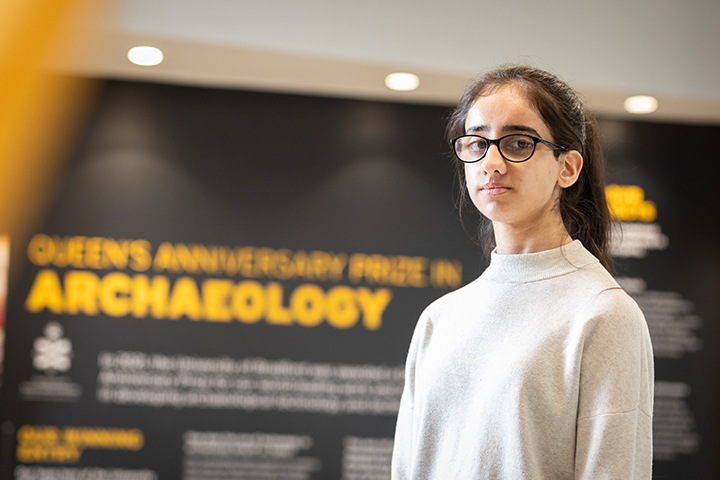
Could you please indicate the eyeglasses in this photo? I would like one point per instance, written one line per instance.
(513, 148)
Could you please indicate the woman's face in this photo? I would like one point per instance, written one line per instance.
(521, 195)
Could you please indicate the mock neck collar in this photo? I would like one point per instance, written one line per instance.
(531, 267)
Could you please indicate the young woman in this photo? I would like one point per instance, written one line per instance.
(542, 367)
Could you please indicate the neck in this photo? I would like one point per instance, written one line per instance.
(512, 239)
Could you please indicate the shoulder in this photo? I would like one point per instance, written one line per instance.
(612, 327)
(450, 307)
(465, 296)
(599, 290)
(602, 306)
(614, 299)
(615, 307)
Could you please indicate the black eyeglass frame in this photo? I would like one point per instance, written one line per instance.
(497, 141)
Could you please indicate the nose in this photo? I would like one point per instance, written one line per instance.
(493, 161)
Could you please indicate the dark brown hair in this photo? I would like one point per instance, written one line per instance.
(582, 206)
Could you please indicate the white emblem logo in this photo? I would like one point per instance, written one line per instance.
(52, 353)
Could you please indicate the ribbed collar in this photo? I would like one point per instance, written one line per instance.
(531, 267)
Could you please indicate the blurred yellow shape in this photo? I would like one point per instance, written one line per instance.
(38, 115)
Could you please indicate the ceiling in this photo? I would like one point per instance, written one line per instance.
(607, 50)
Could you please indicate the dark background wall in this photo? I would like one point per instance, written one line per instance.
(190, 393)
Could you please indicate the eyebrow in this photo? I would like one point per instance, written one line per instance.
(504, 130)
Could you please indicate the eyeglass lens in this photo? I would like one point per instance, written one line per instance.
(517, 148)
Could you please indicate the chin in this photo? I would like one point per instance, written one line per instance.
(492, 212)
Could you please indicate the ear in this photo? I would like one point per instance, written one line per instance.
(571, 164)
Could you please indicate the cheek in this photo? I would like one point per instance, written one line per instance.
(545, 183)
(472, 183)
(470, 175)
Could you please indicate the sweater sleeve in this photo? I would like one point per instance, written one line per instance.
(614, 426)
(403, 446)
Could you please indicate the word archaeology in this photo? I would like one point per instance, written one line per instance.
(218, 283)
(118, 294)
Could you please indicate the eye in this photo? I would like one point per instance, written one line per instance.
(475, 144)
(518, 144)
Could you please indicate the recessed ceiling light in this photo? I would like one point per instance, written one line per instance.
(403, 82)
(145, 56)
(641, 104)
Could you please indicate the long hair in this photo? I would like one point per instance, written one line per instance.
(583, 206)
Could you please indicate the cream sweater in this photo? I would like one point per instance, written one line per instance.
(541, 368)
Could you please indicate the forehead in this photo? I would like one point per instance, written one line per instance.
(504, 110)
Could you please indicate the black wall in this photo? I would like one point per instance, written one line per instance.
(164, 167)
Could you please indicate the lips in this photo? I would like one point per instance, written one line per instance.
(493, 189)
